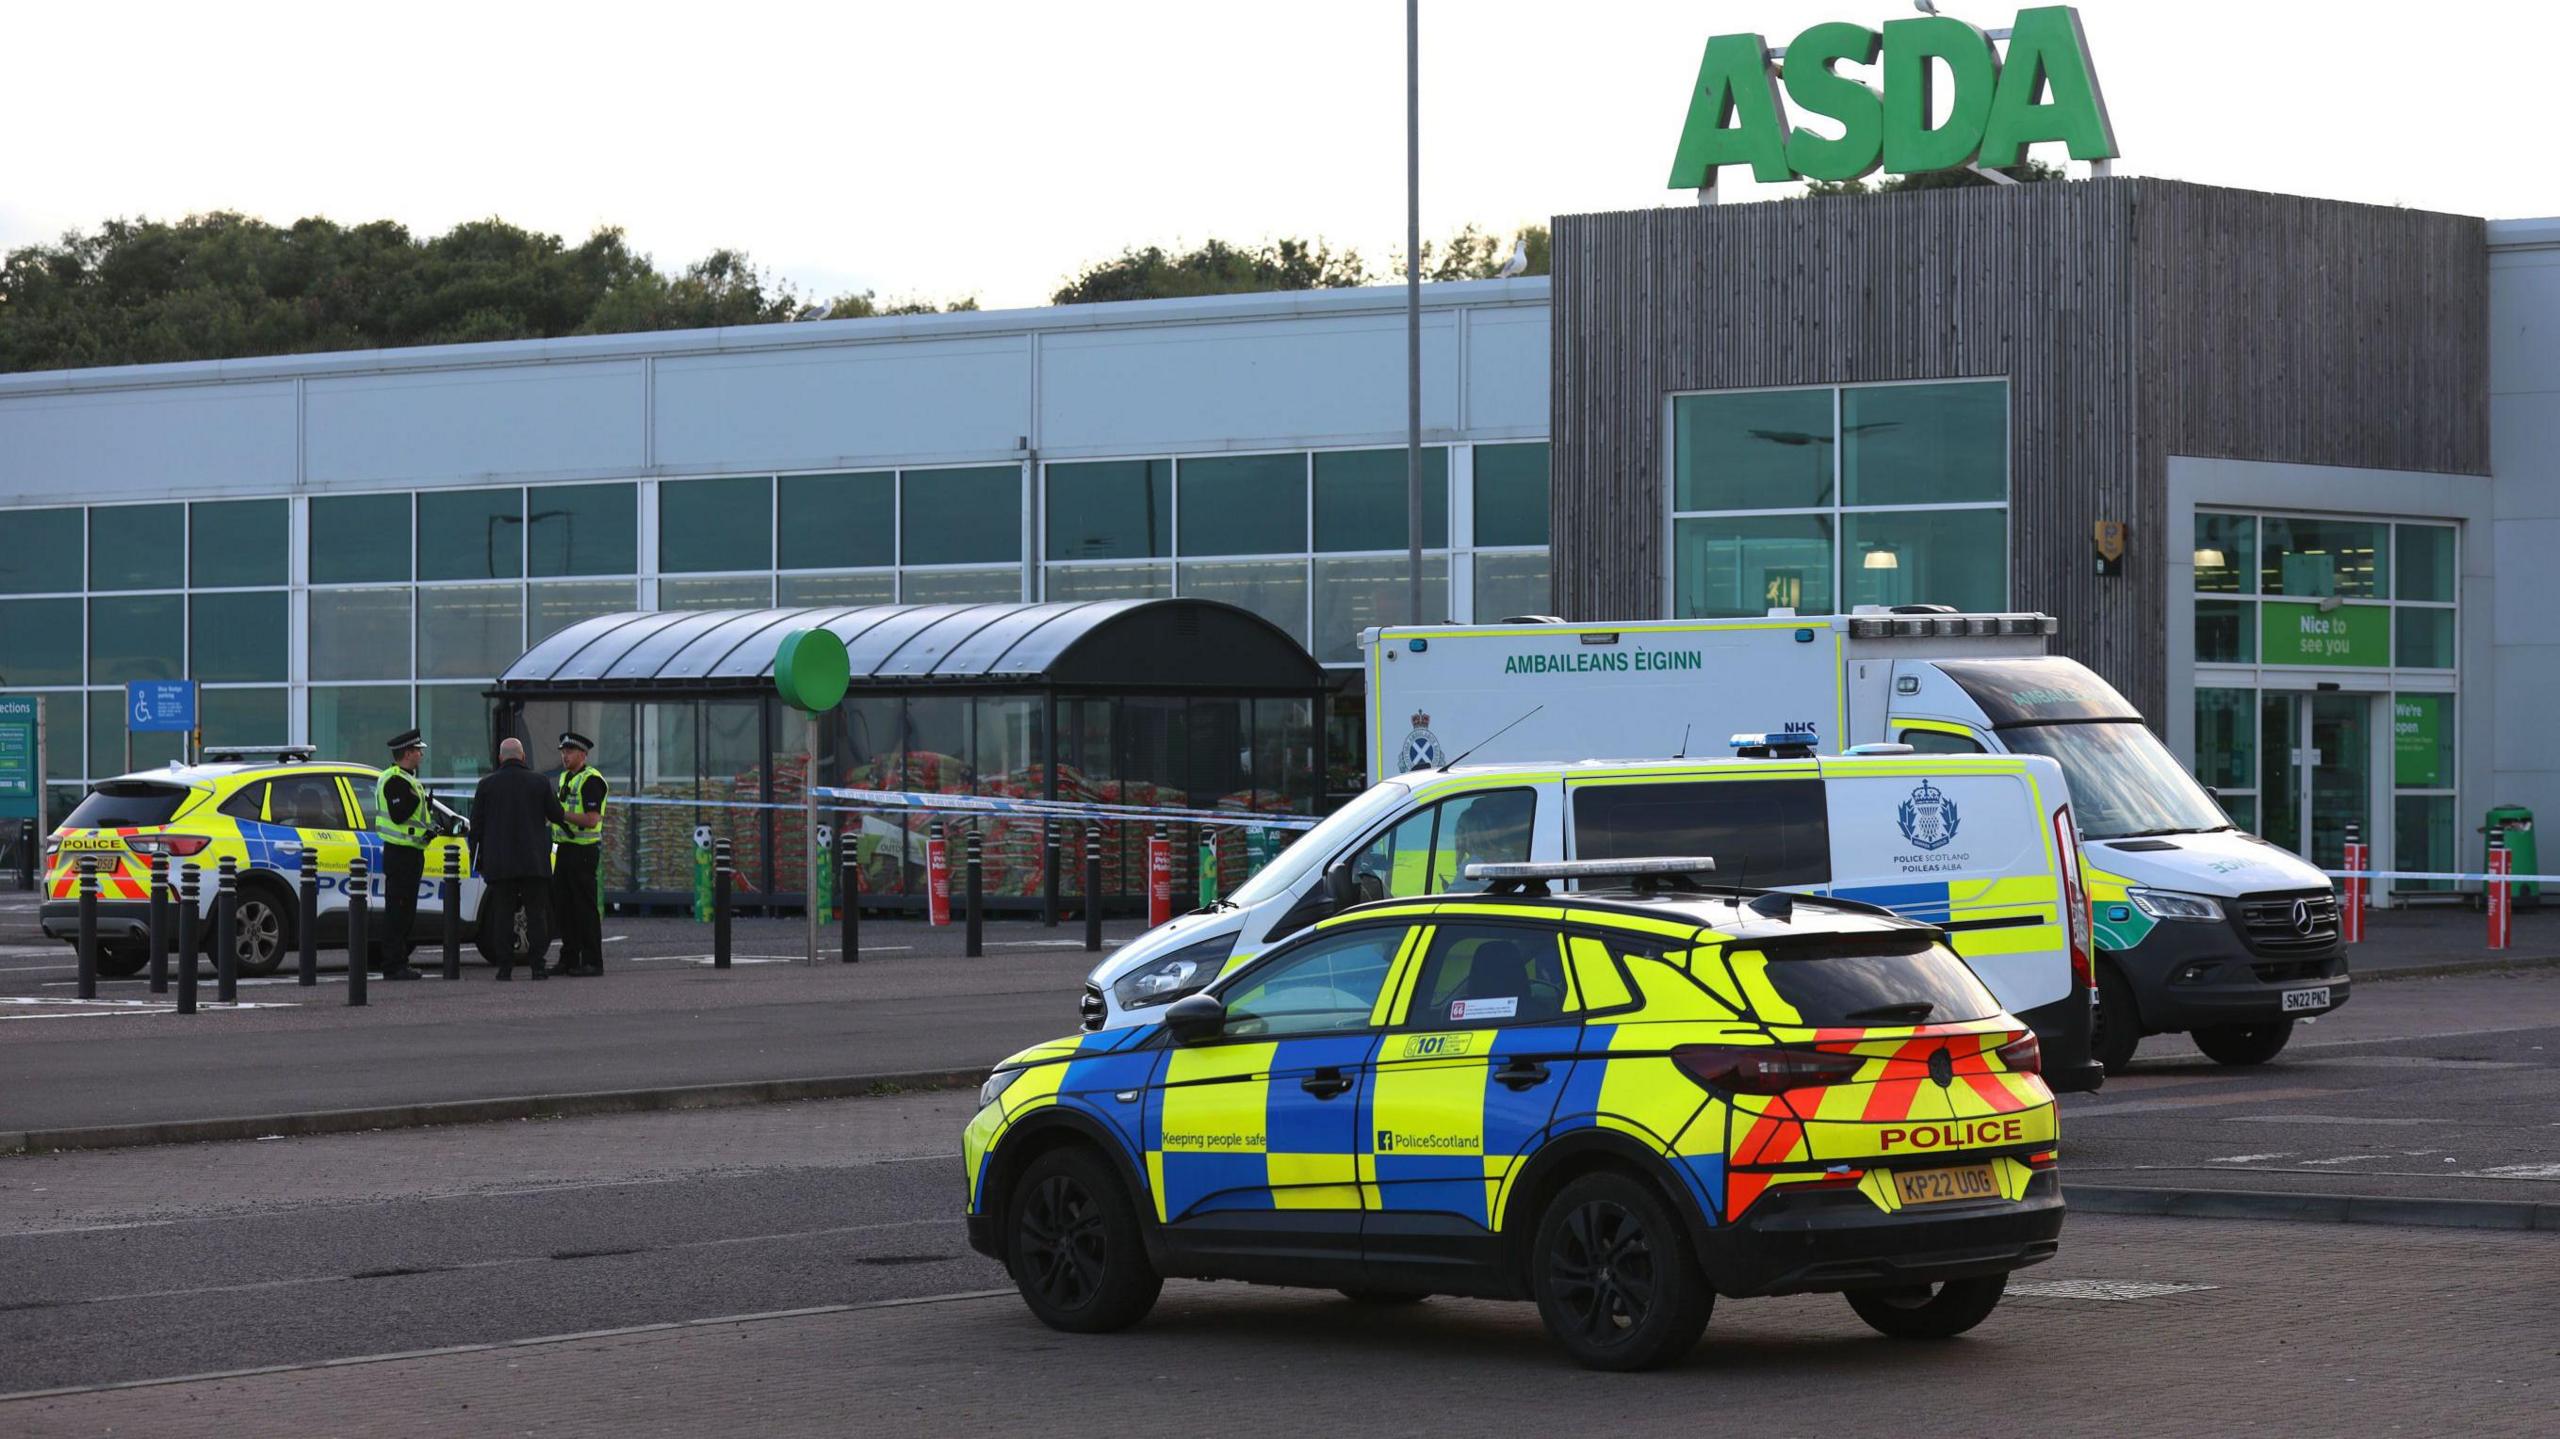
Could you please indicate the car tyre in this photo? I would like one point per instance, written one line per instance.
(2116, 1028)
(1929, 1311)
(1615, 1278)
(2243, 1044)
(118, 961)
(263, 930)
(1383, 1298)
(1074, 1250)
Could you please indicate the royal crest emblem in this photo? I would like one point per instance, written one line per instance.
(1929, 817)
(1421, 747)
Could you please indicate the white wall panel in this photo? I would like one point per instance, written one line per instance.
(124, 444)
(1507, 362)
(2524, 301)
(911, 401)
(1266, 385)
(502, 422)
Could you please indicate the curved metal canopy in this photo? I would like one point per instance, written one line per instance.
(1187, 644)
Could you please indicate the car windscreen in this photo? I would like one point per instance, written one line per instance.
(1314, 846)
(128, 804)
(2037, 689)
(1867, 985)
(2123, 780)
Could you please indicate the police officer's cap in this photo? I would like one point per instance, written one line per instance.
(406, 739)
(571, 739)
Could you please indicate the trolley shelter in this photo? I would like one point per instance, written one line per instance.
(1180, 703)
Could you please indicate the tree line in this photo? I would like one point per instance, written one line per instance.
(225, 285)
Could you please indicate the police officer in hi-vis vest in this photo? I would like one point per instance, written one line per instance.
(577, 903)
(406, 824)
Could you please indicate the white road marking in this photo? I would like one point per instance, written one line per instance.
(615, 938)
(2349, 1159)
(2319, 1119)
(2518, 1171)
(2110, 1289)
(2247, 1158)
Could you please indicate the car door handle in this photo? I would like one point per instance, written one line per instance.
(1520, 1074)
(1326, 1083)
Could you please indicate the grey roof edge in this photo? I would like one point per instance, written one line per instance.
(2540, 233)
(1528, 290)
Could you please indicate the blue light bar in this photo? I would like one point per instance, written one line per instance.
(1793, 739)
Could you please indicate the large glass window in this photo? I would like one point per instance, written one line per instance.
(2323, 591)
(716, 592)
(1107, 582)
(960, 587)
(137, 547)
(243, 716)
(1110, 510)
(1273, 589)
(2426, 564)
(454, 721)
(40, 642)
(1511, 494)
(2227, 740)
(1362, 501)
(877, 587)
(239, 637)
(238, 542)
(838, 522)
(722, 524)
(2226, 632)
(358, 539)
(1244, 504)
(960, 517)
(139, 637)
(470, 534)
(360, 634)
(1517, 583)
(1355, 593)
(112, 750)
(468, 631)
(582, 529)
(2226, 553)
(551, 608)
(2322, 557)
(39, 552)
(1885, 494)
(357, 720)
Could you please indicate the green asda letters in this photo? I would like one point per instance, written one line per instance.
(2045, 91)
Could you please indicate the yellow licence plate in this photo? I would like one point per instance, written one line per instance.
(1942, 1186)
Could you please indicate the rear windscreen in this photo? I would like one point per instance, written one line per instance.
(1764, 833)
(2037, 691)
(1837, 989)
(127, 805)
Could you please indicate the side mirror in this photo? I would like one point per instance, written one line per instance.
(1195, 1017)
(1341, 891)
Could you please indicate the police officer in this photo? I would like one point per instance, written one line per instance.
(577, 907)
(406, 824)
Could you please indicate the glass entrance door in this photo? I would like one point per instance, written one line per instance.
(2316, 771)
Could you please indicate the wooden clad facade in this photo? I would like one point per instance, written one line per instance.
(2133, 319)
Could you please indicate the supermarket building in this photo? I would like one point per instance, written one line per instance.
(2320, 434)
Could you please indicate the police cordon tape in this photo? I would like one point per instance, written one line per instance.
(2439, 874)
(881, 801)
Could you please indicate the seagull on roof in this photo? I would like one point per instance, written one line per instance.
(1518, 264)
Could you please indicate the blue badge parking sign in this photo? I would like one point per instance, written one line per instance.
(160, 706)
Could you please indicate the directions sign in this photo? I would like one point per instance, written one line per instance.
(160, 706)
(18, 756)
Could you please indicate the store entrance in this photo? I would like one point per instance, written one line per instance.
(2316, 755)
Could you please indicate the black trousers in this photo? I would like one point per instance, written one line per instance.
(509, 902)
(402, 867)
(576, 909)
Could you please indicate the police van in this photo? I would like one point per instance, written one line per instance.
(1978, 845)
(2200, 927)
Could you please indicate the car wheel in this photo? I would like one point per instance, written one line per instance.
(118, 961)
(1076, 1254)
(262, 931)
(2116, 1027)
(1383, 1298)
(1614, 1277)
(2241, 1044)
(1929, 1311)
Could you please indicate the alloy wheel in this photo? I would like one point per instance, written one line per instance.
(1062, 1242)
(1603, 1271)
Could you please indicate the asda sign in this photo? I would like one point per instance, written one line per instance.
(2044, 91)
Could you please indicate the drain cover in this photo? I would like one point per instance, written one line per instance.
(2099, 1288)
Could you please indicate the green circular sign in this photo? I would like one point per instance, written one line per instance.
(810, 670)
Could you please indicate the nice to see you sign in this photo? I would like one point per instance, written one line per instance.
(2044, 90)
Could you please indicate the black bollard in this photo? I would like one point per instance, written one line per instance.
(850, 892)
(720, 879)
(452, 892)
(1093, 889)
(977, 907)
(307, 916)
(1048, 874)
(226, 933)
(88, 926)
(160, 918)
(359, 885)
(187, 939)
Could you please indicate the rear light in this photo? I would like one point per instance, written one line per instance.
(1763, 1071)
(180, 845)
(2022, 1055)
(2075, 901)
(2043, 1158)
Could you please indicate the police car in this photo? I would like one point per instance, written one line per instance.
(263, 815)
(1620, 1103)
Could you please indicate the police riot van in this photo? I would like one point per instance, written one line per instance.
(1979, 845)
(2200, 927)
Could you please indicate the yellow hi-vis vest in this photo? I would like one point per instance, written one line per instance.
(570, 784)
(415, 831)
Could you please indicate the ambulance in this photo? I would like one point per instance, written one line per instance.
(2201, 929)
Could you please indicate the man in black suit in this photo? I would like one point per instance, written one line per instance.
(512, 812)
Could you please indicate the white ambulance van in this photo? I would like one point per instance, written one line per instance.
(2201, 928)
(1980, 845)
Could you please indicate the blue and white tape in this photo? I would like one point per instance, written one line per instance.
(871, 801)
(2439, 874)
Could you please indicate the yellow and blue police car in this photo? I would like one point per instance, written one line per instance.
(1621, 1103)
(262, 814)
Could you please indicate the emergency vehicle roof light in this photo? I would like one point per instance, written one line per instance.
(1797, 744)
(1648, 875)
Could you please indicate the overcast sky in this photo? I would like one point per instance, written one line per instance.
(935, 149)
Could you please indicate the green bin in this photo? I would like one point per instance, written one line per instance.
(2516, 822)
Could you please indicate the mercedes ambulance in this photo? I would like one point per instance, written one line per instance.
(1993, 865)
(2200, 927)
